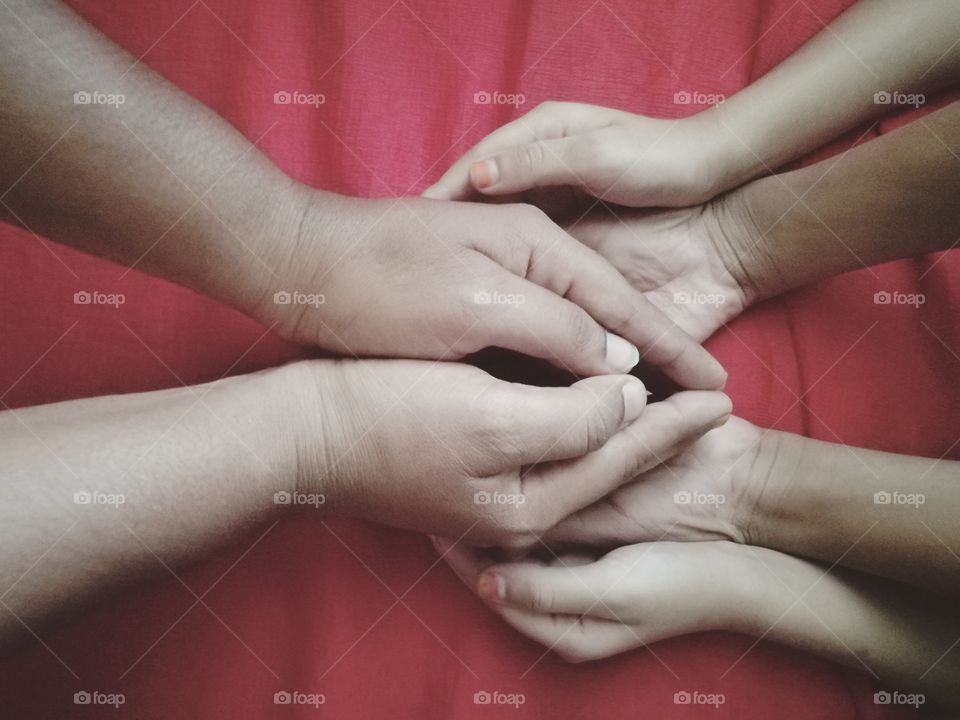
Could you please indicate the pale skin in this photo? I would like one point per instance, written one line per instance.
(637, 161)
(891, 198)
(162, 184)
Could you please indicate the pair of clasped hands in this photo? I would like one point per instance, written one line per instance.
(488, 466)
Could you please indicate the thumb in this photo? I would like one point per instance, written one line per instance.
(547, 424)
(543, 163)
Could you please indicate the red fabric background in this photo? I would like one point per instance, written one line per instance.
(315, 606)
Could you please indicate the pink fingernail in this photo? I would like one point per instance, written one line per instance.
(492, 586)
(484, 173)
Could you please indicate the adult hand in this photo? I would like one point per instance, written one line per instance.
(586, 609)
(447, 448)
(424, 279)
(610, 154)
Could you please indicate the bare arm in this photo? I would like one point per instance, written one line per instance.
(829, 85)
(99, 492)
(161, 183)
(893, 197)
(892, 515)
(587, 609)
(877, 53)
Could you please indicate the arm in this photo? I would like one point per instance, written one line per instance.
(892, 515)
(893, 197)
(825, 88)
(887, 514)
(160, 183)
(828, 86)
(588, 609)
(98, 492)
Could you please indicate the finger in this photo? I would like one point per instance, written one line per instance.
(545, 122)
(543, 163)
(661, 431)
(530, 425)
(578, 273)
(466, 562)
(581, 590)
(574, 638)
(532, 320)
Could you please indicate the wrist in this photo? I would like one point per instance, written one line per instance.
(769, 513)
(316, 429)
(737, 575)
(726, 162)
(254, 412)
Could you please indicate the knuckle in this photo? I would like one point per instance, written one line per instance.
(539, 598)
(586, 337)
(597, 430)
(531, 157)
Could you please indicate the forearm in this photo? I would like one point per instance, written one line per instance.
(903, 639)
(828, 85)
(102, 491)
(158, 181)
(891, 198)
(891, 515)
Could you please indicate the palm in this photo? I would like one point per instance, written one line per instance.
(670, 256)
(647, 509)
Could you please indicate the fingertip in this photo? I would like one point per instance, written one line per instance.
(621, 355)
(492, 586)
(484, 174)
(634, 399)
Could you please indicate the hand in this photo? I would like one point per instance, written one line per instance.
(424, 279)
(610, 154)
(691, 263)
(446, 448)
(706, 491)
(588, 609)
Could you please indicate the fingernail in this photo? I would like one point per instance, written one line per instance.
(634, 400)
(484, 173)
(492, 586)
(622, 356)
